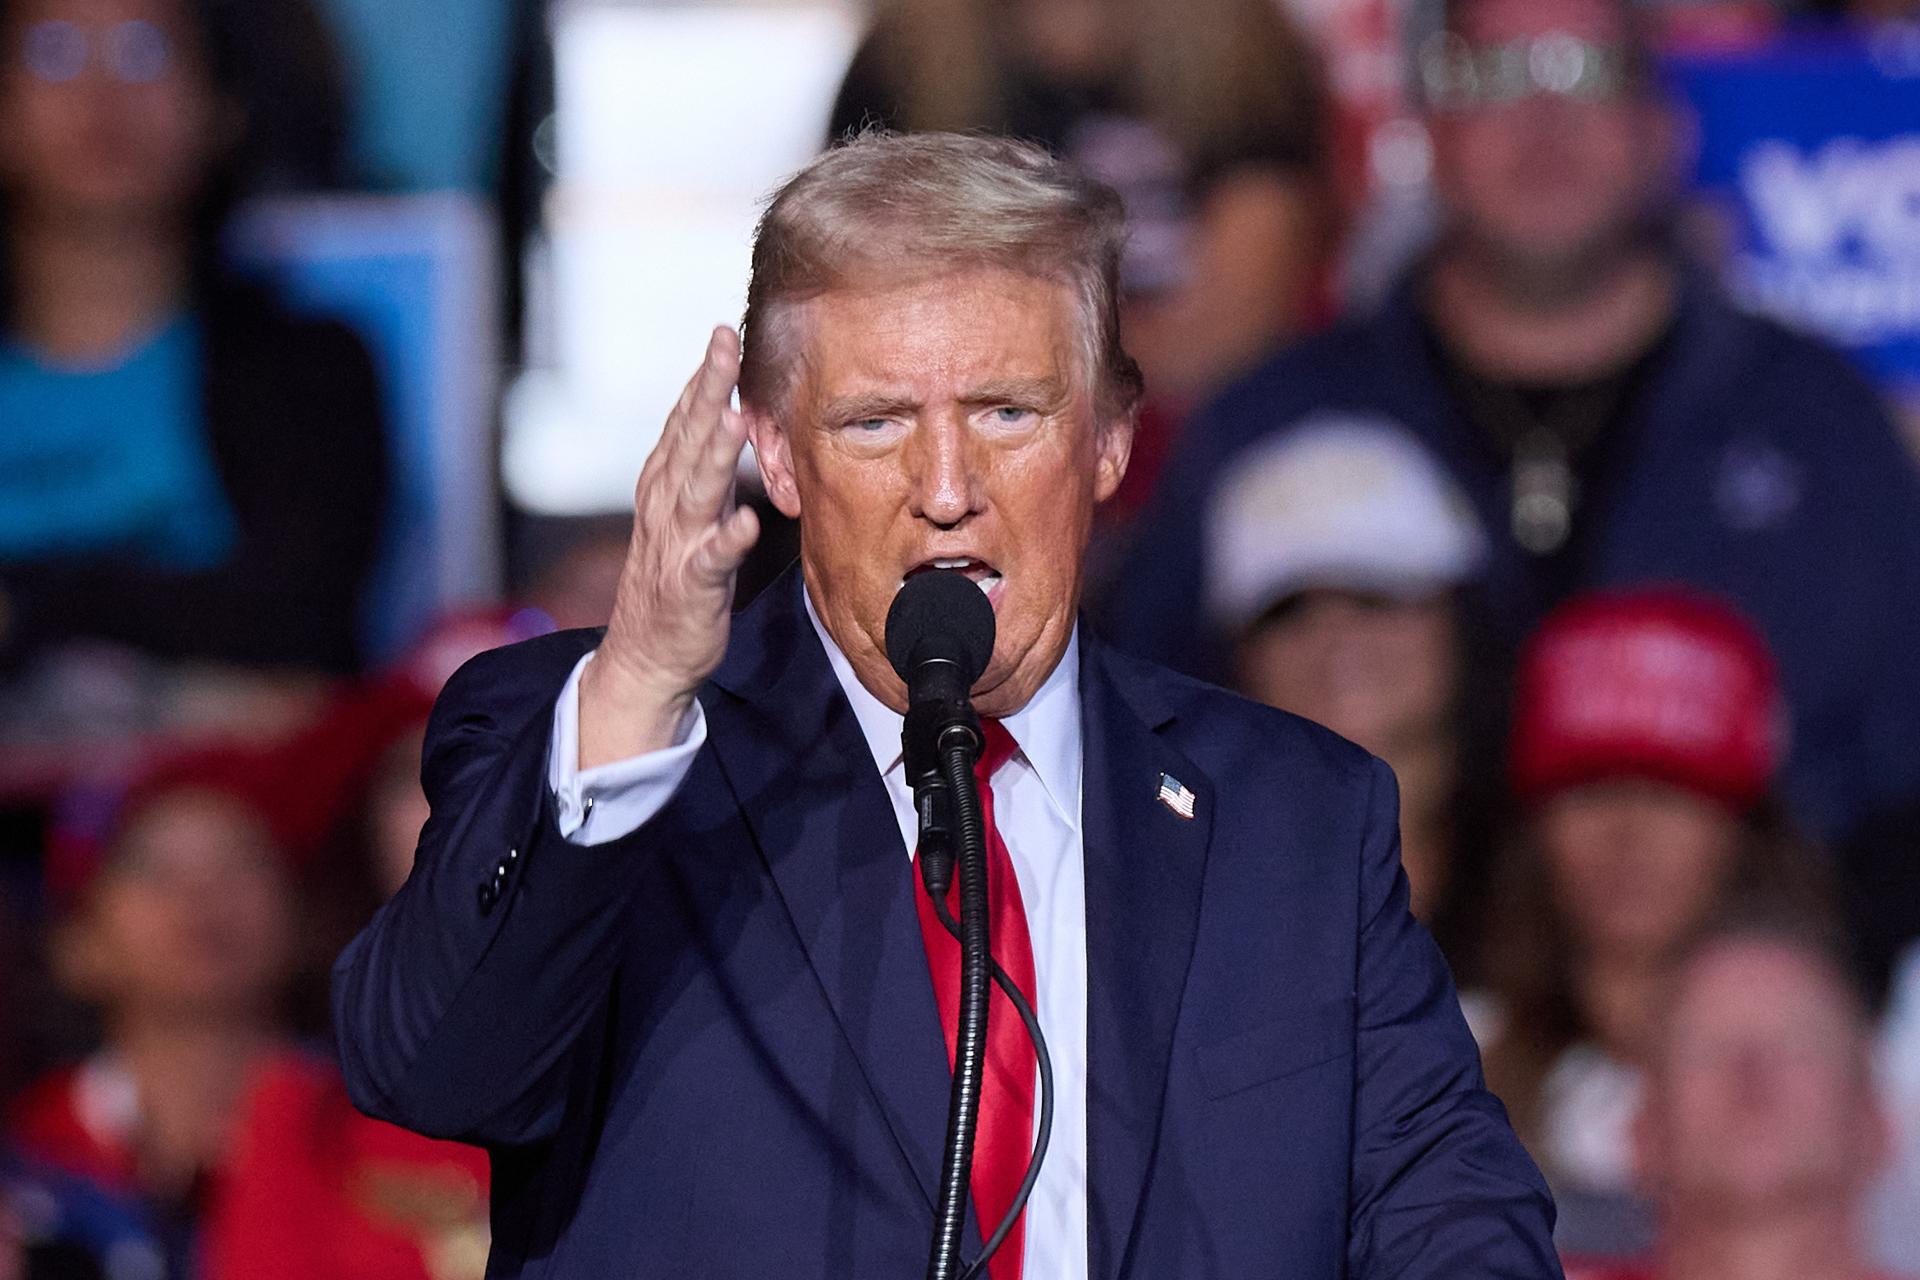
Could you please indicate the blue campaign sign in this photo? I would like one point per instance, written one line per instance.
(1810, 148)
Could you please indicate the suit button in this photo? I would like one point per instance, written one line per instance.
(489, 896)
(513, 856)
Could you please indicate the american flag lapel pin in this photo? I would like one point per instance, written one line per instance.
(1175, 795)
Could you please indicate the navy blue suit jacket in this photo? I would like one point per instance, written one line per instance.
(711, 1048)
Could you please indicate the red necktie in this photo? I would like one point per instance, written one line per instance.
(1003, 1140)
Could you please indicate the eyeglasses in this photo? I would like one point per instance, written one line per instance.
(58, 52)
(1457, 76)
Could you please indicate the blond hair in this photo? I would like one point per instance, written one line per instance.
(890, 206)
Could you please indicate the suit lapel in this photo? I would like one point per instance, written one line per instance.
(1144, 868)
(791, 749)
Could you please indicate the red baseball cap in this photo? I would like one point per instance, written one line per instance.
(1661, 683)
(302, 785)
(90, 817)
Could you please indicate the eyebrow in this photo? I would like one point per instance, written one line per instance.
(861, 406)
(1040, 392)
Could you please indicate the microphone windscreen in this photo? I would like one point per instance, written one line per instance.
(945, 607)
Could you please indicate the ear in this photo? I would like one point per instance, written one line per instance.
(1113, 445)
(773, 451)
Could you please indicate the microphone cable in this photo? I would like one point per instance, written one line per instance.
(970, 825)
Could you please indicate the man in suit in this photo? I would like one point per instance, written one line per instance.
(663, 951)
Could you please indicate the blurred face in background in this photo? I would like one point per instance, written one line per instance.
(1635, 865)
(1760, 1094)
(1544, 189)
(1077, 41)
(193, 917)
(1379, 671)
(106, 108)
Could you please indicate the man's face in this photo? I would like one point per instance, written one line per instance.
(944, 419)
(1760, 1097)
(1544, 184)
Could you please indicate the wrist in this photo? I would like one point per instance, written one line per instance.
(625, 712)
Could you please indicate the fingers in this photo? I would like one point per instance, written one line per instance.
(727, 545)
(710, 474)
(706, 394)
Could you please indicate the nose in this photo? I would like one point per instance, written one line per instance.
(945, 483)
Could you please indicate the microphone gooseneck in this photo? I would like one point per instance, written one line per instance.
(939, 639)
(940, 634)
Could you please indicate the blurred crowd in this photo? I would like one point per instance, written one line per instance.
(1621, 578)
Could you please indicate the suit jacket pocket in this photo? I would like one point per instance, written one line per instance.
(1289, 1042)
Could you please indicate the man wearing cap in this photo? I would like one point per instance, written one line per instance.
(1612, 417)
(663, 952)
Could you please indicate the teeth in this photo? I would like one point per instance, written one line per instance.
(961, 563)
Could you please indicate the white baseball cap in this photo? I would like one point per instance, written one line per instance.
(1336, 501)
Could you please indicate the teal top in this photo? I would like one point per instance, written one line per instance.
(111, 460)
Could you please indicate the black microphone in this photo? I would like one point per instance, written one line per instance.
(939, 639)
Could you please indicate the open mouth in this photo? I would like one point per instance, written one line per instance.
(979, 572)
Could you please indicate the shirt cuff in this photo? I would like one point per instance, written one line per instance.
(609, 801)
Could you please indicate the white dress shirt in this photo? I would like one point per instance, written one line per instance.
(1036, 802)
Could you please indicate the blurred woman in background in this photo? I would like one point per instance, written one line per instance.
(1339, 558)
(1206, 115)
(1648, 728)
(187, 469)
(180, 925)
(176, 926)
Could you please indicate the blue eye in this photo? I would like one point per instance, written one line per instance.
(1010, 414)
(869, 425)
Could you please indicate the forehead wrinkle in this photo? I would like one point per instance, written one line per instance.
(895, 350)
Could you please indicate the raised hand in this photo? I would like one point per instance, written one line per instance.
(674, 604)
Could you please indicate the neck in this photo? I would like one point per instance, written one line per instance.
(1427, 770)
(1617, 996)
(1805, 1242)
(190, 1075)
(84, 290)
(1573, 334)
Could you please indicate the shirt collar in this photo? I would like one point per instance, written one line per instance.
(1047, 729)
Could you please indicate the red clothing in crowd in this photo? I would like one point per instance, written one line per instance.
(1578, 1270)
(312, 1189)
